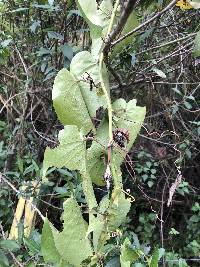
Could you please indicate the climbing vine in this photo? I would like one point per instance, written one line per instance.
(77, 96)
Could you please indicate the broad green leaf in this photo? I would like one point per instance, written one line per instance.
(155, 258)
(97, 154)
(71, 152)
(95, 30)
(96, 226)
(84, 62)
(128, 116)
(89, 8)
(118, 209)
(48, 248)
(97, 45)
(128, 255)
(82, 65)
(72, 243)
(9, 245)
(31, 245)
(97, 35)
(161, 252)
(196, 51)
(69, 103)
(105, 13)
(96, 164)
(98, 27)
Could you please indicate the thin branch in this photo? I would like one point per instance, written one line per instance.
(122, 21)
(157, 15)
(2, 178)
(166, 44)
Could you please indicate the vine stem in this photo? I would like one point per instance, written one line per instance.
(101, 61)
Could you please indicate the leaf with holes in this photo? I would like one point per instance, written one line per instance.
(83, 65)
(128, 116)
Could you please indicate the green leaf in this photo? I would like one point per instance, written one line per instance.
(173, 232)
(153, 171)
(9, 245)
(72, 243)
(182, 263)
(96, 226)
(118, 210)
(196, 51)
(128, 255)
(69, 103)
(150, 183)
(176, 90)
(187, 105)
(31, 245)
(194, 218)
(67, 51)
(149, 164)
(48, 248)
(160, 73)
(161, 252)
(98, 27)
(3, 259)
(83, 64)
(6, 43)
(128, 116)
(89, 8)
(145, 177)
(96, 155)
(71, 152)
(96, 165)
(154, 258)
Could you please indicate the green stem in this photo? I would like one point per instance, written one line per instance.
(113, 17)
(107, 95)
(101, 60)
